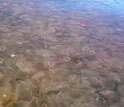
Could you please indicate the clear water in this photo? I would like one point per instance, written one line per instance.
(61, 53)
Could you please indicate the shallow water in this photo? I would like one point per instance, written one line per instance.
(61, 53)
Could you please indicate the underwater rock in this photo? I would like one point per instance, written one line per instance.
(121, 90)
(38, 75)
(109, 84)
(24, 65)
(85, 84)
(97, 83)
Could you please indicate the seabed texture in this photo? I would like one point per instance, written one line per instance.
(61, 53)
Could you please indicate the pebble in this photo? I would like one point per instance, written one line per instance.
(12, 55)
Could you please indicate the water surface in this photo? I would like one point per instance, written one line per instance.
(61, 53)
